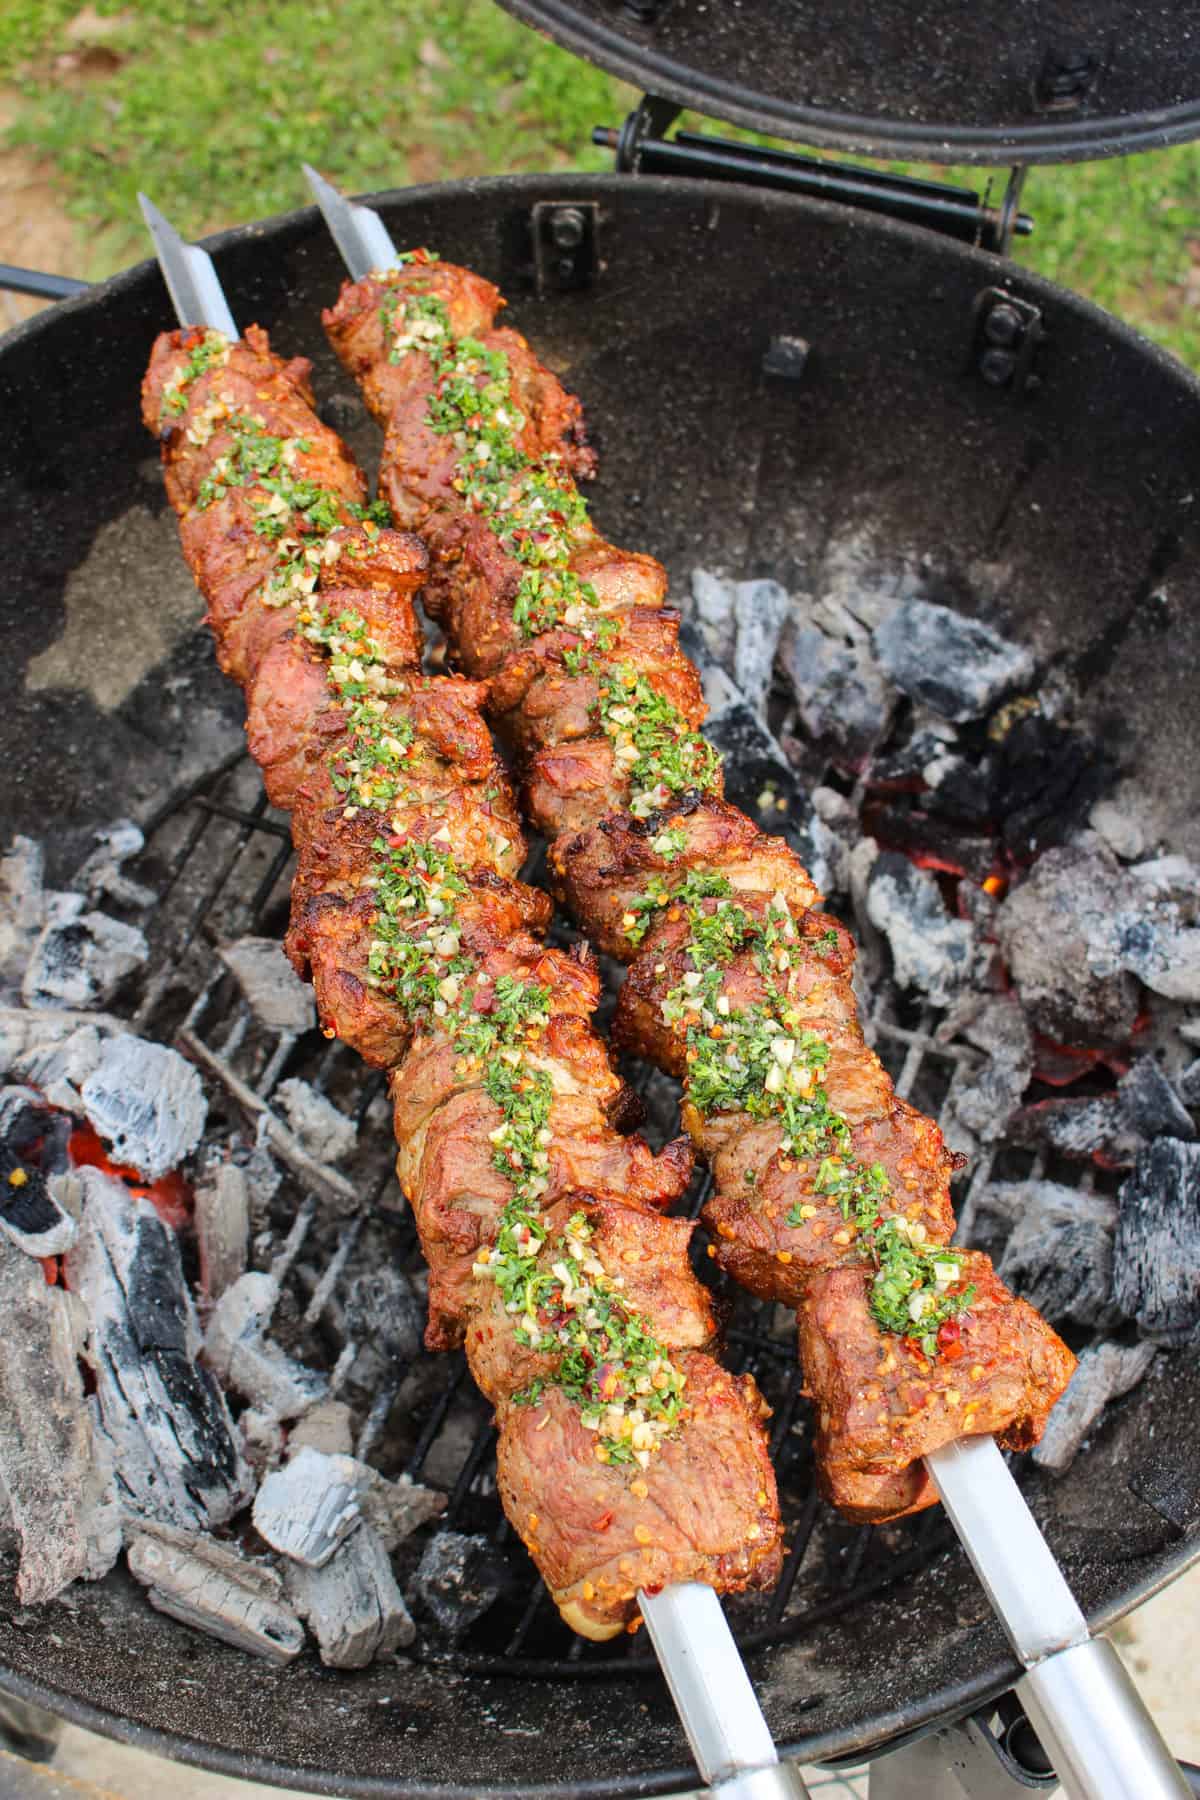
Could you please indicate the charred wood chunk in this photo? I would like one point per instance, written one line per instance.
(1157, 1252)
(81, 958)
(931, 952)
(352, 1603)
(57, 1483)
(1056, 931)
(1043, 782)
(1083, 1128)
(148, 1103)
(842, 699)
(222, 1227)
(172, 1437)
(309, 1507)
(1151, 1104)
(325, 1133)
(459, 1578)
(276, 995)
(957, 667)
(210, 1587)
(244, 1358)
(1105, 1372)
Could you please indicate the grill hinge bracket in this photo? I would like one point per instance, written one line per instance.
(643, 148)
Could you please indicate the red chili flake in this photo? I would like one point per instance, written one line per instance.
(952, 1352)
(603, 1522)
(949, 1333)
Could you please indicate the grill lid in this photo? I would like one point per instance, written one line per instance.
(979, 81)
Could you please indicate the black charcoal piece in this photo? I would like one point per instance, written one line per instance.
(1157, 1250)
(1188, 1084)
(382, 1310)
(275, 993)
(29, 1213)
(101, 876)
(986, 1101)
(1062, 1262)
(147, 1103)
(1044, 780)
(842, 699)
(955, 666)
(1151, 1104)
(459, 1578)
(56, 1480)
(931, 952)
(173, 1442)
(907, 767)
(309, 1507)
(323, 1132)
(1056, 933)
(1080, 1128)
(1105, 1372)
(81, 958)
(759, 610)
(212, 1588)
(237, 1349)
(352, 1604)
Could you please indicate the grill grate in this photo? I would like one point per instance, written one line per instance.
(219, 861)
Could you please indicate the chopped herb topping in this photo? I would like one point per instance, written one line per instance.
(760, 1060)
(532, 504)
(651, 741)
(567, 1305)
(205, 350)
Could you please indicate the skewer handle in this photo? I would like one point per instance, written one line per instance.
(730, 1740)
(1091, 1719)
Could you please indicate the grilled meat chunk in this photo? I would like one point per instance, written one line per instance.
(882, 1403)
(422, 948)
(829, 1190)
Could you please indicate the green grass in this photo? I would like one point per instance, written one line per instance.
(212, 110)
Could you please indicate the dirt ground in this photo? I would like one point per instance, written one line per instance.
(35, 231)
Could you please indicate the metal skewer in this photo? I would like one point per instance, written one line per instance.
(724, 1723)
(1094, 1726)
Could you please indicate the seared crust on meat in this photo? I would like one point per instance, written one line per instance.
(882, 1405)
(738, 984)
(409, 918)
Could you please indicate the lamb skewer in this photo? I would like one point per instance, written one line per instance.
(628, 1457)
(481, 452)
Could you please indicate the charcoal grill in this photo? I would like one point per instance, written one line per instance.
(846, 358)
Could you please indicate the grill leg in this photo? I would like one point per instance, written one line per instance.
(27, 1730)
(957, 1762)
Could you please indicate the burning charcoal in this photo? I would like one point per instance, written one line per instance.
(906, 767)
(352, 1604)
(842, 699)
(21, 908)
(210, 1587)
(222, 1226)
(1080, 1129)
(276, 995)
(957, 667)
(1059, 1256)
(395, 1509)
(173, 1440)
(148, 1103)
(931, 951)
(1119, 828)
(1158, 1242)
(1151, 1104)
(328, 1427)
(100, 877)
(239, 1353)
(29, 1212)
(57, 1482)
(1105, 1372)
(324, 1133)
(986, 1102)
(1056, 931)
(383, 1311)
(759, 610)
(458, 1578)
(81, 958)
(309, 1507)
(931, 842)
(712, 618)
